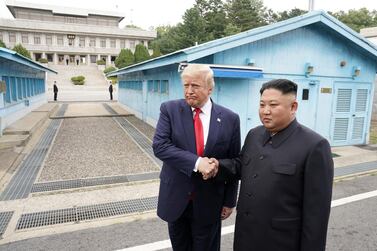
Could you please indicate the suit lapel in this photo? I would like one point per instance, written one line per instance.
(214, 129)
(188, 125)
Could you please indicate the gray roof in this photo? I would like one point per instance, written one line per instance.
(11, 4)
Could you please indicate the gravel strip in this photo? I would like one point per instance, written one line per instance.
(145, 128)
(93, 147)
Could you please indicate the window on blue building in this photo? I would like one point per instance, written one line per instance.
(7, 92)
(164, 89)
(13, 88)
(156, 85)
(19, 88)
(24, 86)
(150, 85)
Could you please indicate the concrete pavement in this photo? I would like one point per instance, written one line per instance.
(94, 195)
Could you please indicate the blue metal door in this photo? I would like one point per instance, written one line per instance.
(350, 113)
(307, 95)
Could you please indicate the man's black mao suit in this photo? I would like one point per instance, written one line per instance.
(286, 186)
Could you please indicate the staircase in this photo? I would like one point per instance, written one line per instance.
(95, 87)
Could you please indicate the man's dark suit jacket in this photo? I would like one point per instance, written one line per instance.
(174, 144)
(286, 186)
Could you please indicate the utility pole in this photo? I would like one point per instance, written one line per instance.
(311, 5)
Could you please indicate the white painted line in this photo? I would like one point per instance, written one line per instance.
(230, 229)
(353, 198)
(150, 246)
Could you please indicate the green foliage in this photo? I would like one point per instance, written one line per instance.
(246, 14)
(357, 19)
(43, 60)
(101, 62)
(2, 44)
(114, 80)
(109, 69)
(289, 14)
(212, 19)
(141, 53)
(21, 50)
(78, 80)
(156, 51)
(125, 58)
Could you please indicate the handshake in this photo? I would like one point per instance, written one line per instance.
(208, 167)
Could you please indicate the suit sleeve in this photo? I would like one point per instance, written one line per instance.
(231, 186)
(166, 151)
(318, 180)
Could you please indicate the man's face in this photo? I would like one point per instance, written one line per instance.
(196, 90)
(276, 110)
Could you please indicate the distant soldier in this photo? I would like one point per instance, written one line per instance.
(55, 91)
(111, 90)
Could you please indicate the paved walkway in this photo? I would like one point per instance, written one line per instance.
(95, 168)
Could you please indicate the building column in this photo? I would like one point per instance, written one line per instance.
(55, 58)
(43, 54)
(108, 63)
(88, 59)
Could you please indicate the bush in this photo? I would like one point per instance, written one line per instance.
(78, 80)
(114, 80)
(43, 60)
(101, 62)
(2, 44)
(125, 58)
(109, 69)
(21, 50)
(141, 53)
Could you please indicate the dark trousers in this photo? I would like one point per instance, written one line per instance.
(55, 96)
(186, 234)
(111, 95)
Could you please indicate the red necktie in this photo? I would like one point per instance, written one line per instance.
(199, 138)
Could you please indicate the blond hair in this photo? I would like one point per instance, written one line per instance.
(199, 70)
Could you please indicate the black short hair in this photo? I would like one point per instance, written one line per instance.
(284, 85)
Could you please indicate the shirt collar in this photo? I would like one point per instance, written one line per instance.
(206, 108)
(280, 136)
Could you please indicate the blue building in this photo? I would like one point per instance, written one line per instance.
(334, 67)
(22, 86)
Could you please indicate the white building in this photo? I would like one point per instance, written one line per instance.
(66, 35)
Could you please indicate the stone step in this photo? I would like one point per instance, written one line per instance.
(10, 141)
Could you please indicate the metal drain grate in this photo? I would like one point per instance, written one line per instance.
(22, 182)
(70, 184)
(62, 110)
(144, 142)
(4, 220)
(77, 214)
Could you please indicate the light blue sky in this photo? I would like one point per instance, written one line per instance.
(145, 13)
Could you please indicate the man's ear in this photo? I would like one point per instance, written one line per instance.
(294, 106)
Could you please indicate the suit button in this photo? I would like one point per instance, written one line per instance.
(255, 176)
(189, 193)
(261, 157)
(247, 213)
(249, 194)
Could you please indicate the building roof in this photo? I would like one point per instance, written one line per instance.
(192, 53)
(61, 10)
(64, 28)
(14, 56)
(369, 32)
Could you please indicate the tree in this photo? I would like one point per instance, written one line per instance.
(289, 14)
(141, 53)
(246, 14)
(193, 29)
(214, 14)
(156, 51)
(2, 44)
(357, 19)
(21, 50)
(125, 58)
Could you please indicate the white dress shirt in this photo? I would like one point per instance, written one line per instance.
(205, 117)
